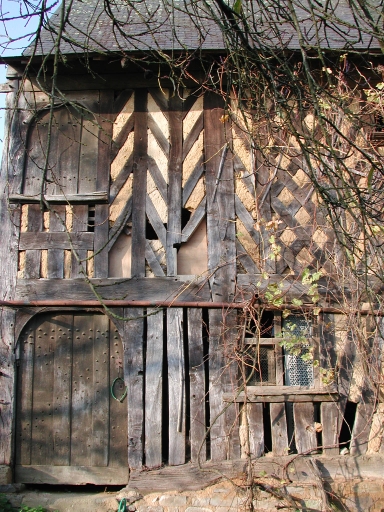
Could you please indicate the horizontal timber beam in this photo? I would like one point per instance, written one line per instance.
(171, 304)
(91, 198)
(121, 303)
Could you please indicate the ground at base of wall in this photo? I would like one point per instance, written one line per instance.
(353, 496)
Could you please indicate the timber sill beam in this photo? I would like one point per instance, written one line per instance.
(91, 198)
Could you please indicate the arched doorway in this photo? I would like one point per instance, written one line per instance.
(69, 429)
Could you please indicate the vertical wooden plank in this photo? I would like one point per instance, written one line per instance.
(330, 418)
(79, 224)
(197, 385)
(133, 372)
(33, 257)
(176, 386)
(230, 383)
(220, 202)
(118, 435)
(216, 363)
(305, 435)
(153, 388)
(62, 390)
(56, 256)
(139, 184)
(100, 407)
(102, 183)
(279, 429)
(82, 395)
(43, 380)
(24, 392)
(175, 177)
(254, 413)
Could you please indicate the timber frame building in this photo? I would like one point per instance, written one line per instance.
(127, 273)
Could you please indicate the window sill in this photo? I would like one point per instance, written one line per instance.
(275, 394)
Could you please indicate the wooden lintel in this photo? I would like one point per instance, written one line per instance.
(91, 198)
(139, 289)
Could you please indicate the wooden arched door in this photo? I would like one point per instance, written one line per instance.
(69, 429)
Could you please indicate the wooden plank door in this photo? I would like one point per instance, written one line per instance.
(69, 429)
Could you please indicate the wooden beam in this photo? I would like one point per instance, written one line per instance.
(220, 202)
(11, 173)
(174, 180)
(133, 339)
(139, 184)
(43, 240)
(154, 389)
(197, 386)
(176, 387)
(156, 289)
(89, 198)
(282, 394)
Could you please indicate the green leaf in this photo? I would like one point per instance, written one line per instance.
(237, 6)
(297, 302)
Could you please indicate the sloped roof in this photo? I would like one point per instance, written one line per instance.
(168, 25)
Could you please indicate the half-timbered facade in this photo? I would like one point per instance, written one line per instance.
(130, 231)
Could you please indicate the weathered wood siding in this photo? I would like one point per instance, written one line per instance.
(130, 178)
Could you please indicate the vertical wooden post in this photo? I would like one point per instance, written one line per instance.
(154, 388)
(139, 184)
(175, 177)
(221, 265)
(10, 176)
(133, 332)
(197, 385)
(176, 386)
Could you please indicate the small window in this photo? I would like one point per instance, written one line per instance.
(278, 351)
(297, 331)
(260, 365)
(262, 352)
